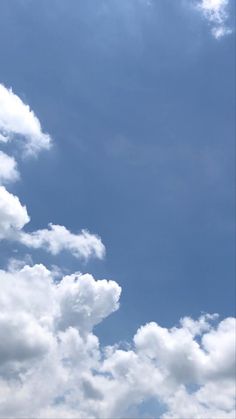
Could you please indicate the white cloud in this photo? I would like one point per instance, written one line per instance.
(77, 300)
(48, 328)
(84, 302)
(215, 11)
(202, 403)
(8, 168)
(13, 215)
(47, 344)
(21, 338)
(57, 238)
(18, 122)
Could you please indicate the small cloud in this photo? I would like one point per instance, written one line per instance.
(15, 264)
(220, 31)
(18, 122)
(57, 238)
(216, 13)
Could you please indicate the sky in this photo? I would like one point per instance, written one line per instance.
(117, 208)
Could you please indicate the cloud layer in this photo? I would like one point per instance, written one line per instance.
(46, 330)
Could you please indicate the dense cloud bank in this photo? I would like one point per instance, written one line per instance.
(48, 348)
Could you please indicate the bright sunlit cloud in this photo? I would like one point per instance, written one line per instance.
(216, 13)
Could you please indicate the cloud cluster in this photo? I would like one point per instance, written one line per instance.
(215, 11)
(51, 362)
(46, 330)
(19, 124)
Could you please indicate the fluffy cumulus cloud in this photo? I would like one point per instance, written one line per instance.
(58, 238)
(14, 216)
(19, 123)
(216, 12)
(51, 362)
(46, 330)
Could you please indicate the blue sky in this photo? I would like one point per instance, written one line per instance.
(139, 99)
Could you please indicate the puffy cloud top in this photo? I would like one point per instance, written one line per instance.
(47, 343)
(57, 238)
(46, 331)
(18, 121)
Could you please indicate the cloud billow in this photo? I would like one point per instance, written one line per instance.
(51, 362)
(48, 328)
